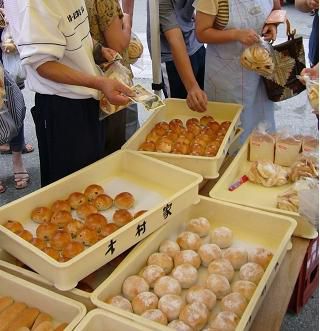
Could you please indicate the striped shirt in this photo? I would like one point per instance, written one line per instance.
(217, 8)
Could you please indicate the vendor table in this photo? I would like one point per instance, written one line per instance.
(275, 304)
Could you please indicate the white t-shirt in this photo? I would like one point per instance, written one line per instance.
(46, 30)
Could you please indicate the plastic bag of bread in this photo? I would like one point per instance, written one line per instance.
(313, 94)
(310, 143)
(135, 48)
(268, 174)
(307, 165)
(119, 72)
(258, 58)
(287, 148)
(261, 144)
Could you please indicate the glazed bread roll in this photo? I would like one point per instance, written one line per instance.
(26, 235)
(39, 243)
(139, 213)
(147, 146)
(122, 217)
(60, 239)
(5, 302)
(10, 314)
(60, 205)
(52, 253)
(85, 210)
(72, 249)
(41, 215)
(42, 317)
(108, 229)
(61, 218)
(124, 200)
(195, 315)
(133, 285)
(120, 302)
(162, 260)
(87, 237)
(76, 199)
(44, 326)
(95, 222)
(61, 327)
(144, 301)
(155, 315)
(14, 226)
(171, 305)
(103, 202)
(92, 191)
(25, 319)
(74, 228)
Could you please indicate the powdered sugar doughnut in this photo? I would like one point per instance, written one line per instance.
(162, 260)
(167, 285)
(234, 302)
(261, 256)
(189, 240)
(151, 273)
(200, 294)
(200, 225)
(186, 274)
(219, 285)
(252, 272)
(187, 256)
(225, 321)
(237, 256)
(155, 315)
(221, 267)
(120, 302)
(171, 305)
(222, 236)
(179, 326)
(209, 253)
(134, 285)
(169, 247)
(244, 287)
(144, 301)
(195, 315)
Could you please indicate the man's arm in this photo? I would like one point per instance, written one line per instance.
(115, 92)
(306, 5)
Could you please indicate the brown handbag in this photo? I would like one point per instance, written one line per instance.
(289, 60)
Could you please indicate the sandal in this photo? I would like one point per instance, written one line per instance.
(21, 180)
(5, 149)
(2, 187)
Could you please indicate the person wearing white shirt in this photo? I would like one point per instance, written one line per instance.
(56, 50)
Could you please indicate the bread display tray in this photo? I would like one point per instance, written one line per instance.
(208, 167)
(160, 188)
(251, 227)
(254, 195)
(101, 320)
(61, 309)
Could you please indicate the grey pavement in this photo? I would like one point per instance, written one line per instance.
(294, 113)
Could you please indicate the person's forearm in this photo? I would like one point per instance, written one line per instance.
(181, 58)
(63, 74)
(215, 36)
(276, 4)
(128, 6)
(302, 5)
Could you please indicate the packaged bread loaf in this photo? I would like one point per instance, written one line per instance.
(262, 145)
(310, 143)
(287, 149)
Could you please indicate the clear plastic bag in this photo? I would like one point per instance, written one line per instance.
(259, 58)
(135, 49)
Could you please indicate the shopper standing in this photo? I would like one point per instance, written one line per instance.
(55, 47)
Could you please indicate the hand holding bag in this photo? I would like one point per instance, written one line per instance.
(289, 60)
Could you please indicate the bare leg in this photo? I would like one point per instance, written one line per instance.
(21, 176)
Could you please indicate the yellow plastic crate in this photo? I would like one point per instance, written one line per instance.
(208, 167)
(256, 196)
(250, 226)
(161, 188)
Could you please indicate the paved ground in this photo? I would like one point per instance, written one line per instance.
(292, 113)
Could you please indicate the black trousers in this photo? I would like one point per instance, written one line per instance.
(176, 88)
(70, 135)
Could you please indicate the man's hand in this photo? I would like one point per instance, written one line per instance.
(247, 37)
(269, 32)
(197, 99)
(313, 73)
(108, 53)
(313, 4)
(116, 92)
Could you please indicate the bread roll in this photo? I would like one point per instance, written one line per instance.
(76, 199)
(124, 200)
(92, 191)
(39, 243)
(244, 287)
(26, 235)
(52, 253)
(46, 231)
(164, 145)
(139, 213)
(122, 217)
(152, 273)
(25, 319)
(237, 256)
(61, 327)
(204, 120)
(221, 267)
(167, 285)
(60, 205)
(120, 302)
(171, 305)
(219, 285)
(187, 256)
(87, 237)
(133, 285)
(162, 260)
(169, 247)
(252, 272)
(103, 202)
(95, 222)
(189, 240)
(41, 215)
(14, 226)
(180, 148)
(195, 315)
(199, 225)
(200, 294)
(186, 274)
(235, 303)
(260, 255)
(144, 301)
(179, 326)
(225, 321)
(61, 218)
(60, 239)
(72, 249)
(174, 123)
(209, 253)
(74, 228)
(147, 146)
(222, 236)
(44, 326)
(10, 314)
(108, 229)
(42, 317)
(5, 302)
(85, 210)
(155, 315)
